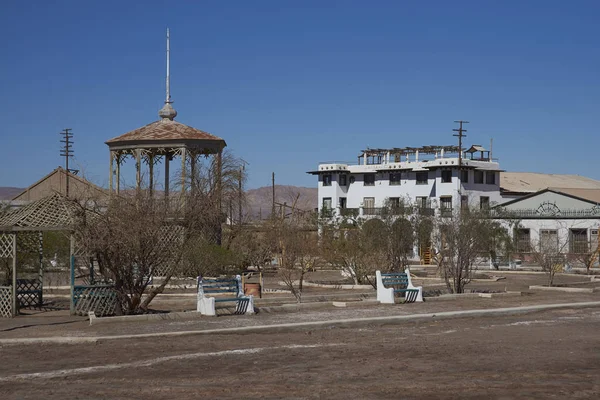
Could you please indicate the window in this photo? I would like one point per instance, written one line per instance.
(369, 180)
(464, 176)
(422, 202)
(484, 202)
(343, 180)
(490, 178)
(352, 179)
(395, 202)
(327, 203)
(343, 202)
(422, 178)
(446, 176)
(395, 178)
(578, 241)
(594, 239)
(446, 206)
(523, 237)
(368, 202)
(327, 180)
(478, 176)
(464, 202)
(548, 241)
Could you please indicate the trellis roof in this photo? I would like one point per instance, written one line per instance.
(49, 213)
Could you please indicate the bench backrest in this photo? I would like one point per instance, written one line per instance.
(395, 279)
(215, 286)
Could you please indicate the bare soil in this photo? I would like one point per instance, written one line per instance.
(542, 355)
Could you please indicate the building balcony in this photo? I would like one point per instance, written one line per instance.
(349, 212)
(446, 212)
(427, 211)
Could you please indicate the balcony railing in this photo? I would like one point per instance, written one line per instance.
(446, 212)
(349, 212)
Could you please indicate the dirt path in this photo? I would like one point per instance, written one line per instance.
(543, 355)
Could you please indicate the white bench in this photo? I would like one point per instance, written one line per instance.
(388, 284)
(227, 290)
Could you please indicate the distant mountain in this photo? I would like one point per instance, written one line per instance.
(259, 201)
(7, 193)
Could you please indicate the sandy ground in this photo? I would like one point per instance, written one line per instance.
(541, 355)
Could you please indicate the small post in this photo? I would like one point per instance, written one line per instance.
(72, 275)
(110, 175)
(15, 310)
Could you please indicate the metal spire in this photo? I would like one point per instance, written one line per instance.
(168, 112)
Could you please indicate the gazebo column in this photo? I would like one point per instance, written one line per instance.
(110, 175)
(138, 169)
(193, 158)
(119, 159)
(151, 172)
(183, 159)
(167, 159)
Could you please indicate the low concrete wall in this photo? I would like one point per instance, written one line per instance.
(562, 289)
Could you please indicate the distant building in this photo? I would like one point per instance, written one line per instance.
(435, 178)
(56, 182)
(549, 211)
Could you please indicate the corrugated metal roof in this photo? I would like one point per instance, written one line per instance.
(164, 130)
(530, 182)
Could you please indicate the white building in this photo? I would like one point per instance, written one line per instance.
(436, 178)
(562, 211)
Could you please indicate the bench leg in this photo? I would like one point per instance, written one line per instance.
(384, 295)
(206, 306)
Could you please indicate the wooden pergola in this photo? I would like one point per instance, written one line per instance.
(24, 227)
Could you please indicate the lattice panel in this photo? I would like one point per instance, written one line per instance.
(5, 302)
(29, 293)
(6, 245)
(101, 299)
(52, 211)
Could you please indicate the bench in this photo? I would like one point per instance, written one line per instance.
(226, 290)
(389, 284)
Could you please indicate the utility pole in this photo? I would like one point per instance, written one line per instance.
(460, 135)
(273, 186)
(66, 151)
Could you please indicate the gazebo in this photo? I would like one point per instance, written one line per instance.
(163, 140)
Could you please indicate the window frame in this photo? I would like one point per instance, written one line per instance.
(489, 181)
(444, 176)
(464, 173)
(422, 182)
(395, 182)
(484, 205)
(476, 181)
(343, 180)
(327, 179)
(369, 183)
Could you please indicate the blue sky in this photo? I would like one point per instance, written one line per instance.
(290, 84)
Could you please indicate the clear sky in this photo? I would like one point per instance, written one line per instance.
(289, 84)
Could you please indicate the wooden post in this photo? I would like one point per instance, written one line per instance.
(110, 175)
(192, 171)
(183, 159)
(138, 168)
(151, 172)
(41, 271)
(15, 310)
(72, 275)
(118, 159)
(167, 159)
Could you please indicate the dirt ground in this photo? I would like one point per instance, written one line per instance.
(541, 355)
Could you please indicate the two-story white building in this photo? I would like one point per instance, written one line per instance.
(435, 178)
